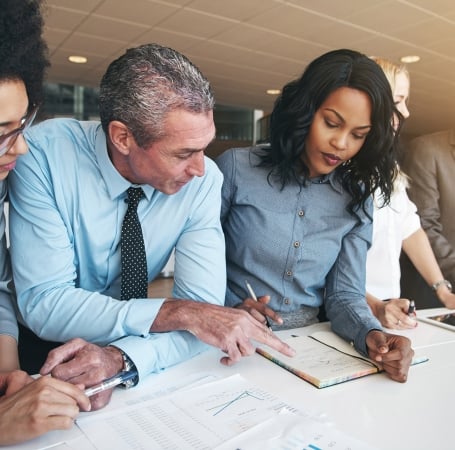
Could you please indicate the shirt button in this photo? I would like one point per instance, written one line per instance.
(301, 213)
(296, 244)
(288, 273)
(287, 301)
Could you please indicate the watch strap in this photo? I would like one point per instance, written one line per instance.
(128, 365)
(436, 286)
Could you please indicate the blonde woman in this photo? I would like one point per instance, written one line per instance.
(397, 227)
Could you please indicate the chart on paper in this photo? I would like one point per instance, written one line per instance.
(202, 417)
(227, 413)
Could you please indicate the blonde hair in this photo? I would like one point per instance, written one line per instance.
(391, 70)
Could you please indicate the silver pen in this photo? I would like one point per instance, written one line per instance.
(253, 296)
(111, 382)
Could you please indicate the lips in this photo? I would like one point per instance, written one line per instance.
(8, 167)
(331, 159)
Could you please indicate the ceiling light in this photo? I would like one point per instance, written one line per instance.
(77, 59)
(410, 59)
(273, 91)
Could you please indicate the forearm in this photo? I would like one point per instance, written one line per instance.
(417, 247)
(353, 320)
(9, 359)
(444, 253)
(177, 315)
(70, 313)
(374, 303)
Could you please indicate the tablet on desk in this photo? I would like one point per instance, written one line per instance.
(445, 320)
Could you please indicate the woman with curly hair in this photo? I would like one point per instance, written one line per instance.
(28, 408)
(297, 215)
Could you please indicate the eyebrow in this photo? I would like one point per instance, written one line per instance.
(194, 150)
(5, 124)
(362, 127)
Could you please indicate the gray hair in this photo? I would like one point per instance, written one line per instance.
(146, 83)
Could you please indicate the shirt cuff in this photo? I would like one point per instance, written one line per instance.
(158, 351)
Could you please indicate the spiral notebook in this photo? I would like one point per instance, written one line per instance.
(324, 359)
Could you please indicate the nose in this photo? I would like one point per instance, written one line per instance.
(197, 165)
(339, 140)
(405, 111)
(19, 147)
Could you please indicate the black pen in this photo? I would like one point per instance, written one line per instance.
(253, 296)
(412, 308)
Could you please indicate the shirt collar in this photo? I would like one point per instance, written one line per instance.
(330, 178)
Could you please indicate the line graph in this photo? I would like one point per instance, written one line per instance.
(243, 395)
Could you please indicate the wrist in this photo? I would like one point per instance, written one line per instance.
(126, 365)
(443, 294)
(116, 356)
(441, 288)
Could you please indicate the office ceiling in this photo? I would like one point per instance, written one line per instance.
(247, 46)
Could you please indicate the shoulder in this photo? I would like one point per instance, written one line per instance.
(236, 159)
(431, 144)
(53, 131)
(212, 172)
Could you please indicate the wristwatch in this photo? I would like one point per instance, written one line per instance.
(127, 366)
(440, 283)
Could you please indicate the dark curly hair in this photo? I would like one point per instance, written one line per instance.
(23, 52)
(374, 166)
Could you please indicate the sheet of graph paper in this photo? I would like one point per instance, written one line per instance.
(227, 413)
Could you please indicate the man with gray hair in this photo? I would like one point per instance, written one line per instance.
(69, 197)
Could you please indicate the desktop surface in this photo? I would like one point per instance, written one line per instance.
(376, 410)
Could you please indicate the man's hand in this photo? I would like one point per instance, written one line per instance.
(80, 362)
(229, 329)
(392, 352)
(37, 407)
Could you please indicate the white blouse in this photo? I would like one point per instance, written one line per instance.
(391, 225)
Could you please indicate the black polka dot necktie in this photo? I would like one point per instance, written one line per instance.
(134, 262)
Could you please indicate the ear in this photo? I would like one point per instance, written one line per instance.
(120, 136)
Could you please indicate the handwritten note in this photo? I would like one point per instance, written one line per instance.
(324, 359)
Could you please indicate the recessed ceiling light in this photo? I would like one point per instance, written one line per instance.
(410, 59)
(77, 59)
(273, 91)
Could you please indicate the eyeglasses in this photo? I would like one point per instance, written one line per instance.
(7, 140)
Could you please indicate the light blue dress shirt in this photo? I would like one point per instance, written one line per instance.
(297, 244)
(8, 323)
(67, 206)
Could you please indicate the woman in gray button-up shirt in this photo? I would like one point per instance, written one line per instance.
(297, 214)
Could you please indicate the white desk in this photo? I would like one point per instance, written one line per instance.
(376, 410)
